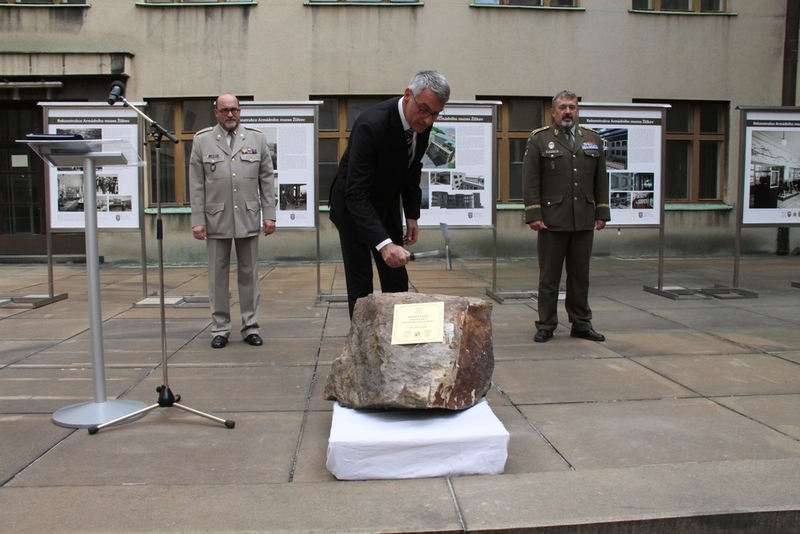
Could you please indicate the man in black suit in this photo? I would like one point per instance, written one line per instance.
(378, 177)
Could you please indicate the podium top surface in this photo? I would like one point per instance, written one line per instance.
(62, 151)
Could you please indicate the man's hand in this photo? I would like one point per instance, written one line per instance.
(269, 226)
(599, 225)
(394, 255)
(199, 232)
(412, 232)
(537, 225)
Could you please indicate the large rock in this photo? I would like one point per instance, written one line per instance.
(453, 374)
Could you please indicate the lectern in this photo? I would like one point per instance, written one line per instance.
(60, 151)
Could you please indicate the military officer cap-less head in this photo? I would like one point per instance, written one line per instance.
(565, 109)
(227, 110)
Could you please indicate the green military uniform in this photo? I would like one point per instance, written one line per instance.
(565, 185)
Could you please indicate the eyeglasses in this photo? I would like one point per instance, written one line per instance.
(225, 111)
(424, 112)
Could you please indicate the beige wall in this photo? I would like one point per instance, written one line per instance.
(283, 50)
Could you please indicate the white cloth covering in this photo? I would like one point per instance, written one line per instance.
(372, 444)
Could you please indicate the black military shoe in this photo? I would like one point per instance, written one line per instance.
(218, 342)
(590, 334)
(543, 335)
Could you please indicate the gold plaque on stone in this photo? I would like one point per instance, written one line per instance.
(421, 322)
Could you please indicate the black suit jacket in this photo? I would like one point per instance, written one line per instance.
(374, 175)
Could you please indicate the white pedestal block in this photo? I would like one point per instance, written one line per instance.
(372, 444)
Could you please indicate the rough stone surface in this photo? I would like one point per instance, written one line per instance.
(453, 374)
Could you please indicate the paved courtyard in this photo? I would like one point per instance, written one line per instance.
(686, 419)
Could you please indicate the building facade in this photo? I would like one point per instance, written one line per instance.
(703, 57)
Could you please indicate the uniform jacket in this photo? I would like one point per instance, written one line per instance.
(374, 176)
(565, 187)
(232, 189)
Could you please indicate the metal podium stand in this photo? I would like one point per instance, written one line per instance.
(87, 154)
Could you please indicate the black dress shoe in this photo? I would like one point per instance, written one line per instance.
(543, 335)
(590, 334)
(255, 340)
(218, 342)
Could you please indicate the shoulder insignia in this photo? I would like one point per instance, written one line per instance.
(588, 129)
(253, 129)
(204, 130)
(537, 130)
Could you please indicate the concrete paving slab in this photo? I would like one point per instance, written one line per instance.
(684, 342)
(766, 339)
(14, 351)
(542, 382)
(721, 375)
(284, 351)
(232, 389)
(781, 412)
(31, 390)
(667, 431)
(372, 506)
(668, 498)
(171, 446)
(24, 439)
(20, 327)
(528, 450)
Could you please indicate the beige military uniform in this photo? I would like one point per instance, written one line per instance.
(232, 191)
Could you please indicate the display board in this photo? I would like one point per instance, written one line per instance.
(291, 131)
(118, 188)
(457, 168)
(771, 170)
(633, 144)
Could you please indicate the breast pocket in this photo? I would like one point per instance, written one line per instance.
(213, 168)
(250, 165)
(553, 164)
(591, 158)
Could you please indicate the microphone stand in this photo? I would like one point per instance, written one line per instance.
(166, 399)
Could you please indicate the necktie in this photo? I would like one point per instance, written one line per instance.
(231, 139)
(568, 134)
(410, 144)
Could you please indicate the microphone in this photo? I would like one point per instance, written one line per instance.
(117, 90)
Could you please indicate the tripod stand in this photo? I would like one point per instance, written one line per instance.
(166, 399)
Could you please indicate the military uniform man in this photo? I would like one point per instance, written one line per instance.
(565, 186)
(232, 190)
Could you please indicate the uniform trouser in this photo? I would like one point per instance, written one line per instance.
(219, 260)
(556, 248)
(358, 271)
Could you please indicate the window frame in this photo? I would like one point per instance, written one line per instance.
(695, 137)
(696, 8)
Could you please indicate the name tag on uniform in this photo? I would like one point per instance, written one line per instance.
(589, 146)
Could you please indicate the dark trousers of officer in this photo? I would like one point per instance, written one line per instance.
(556, 248)
(357, 258)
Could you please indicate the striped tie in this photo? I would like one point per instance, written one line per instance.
(410, 144)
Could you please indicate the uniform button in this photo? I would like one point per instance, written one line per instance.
(576, 185)
(574, 155)
(576, 198)
(236, 207)
(573, 170)
(235, 189)
(234, 175)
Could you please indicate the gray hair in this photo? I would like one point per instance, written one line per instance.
(433, 80)
(568, 95)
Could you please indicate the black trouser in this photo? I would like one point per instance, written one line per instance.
(358, 271)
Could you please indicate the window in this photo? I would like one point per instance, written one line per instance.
(336, 118)
(695, 151)
(364, 2)
(516, 118)
(46, 2)
(199, 1)
(534, 3)
(696, 6)
(182, 118)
